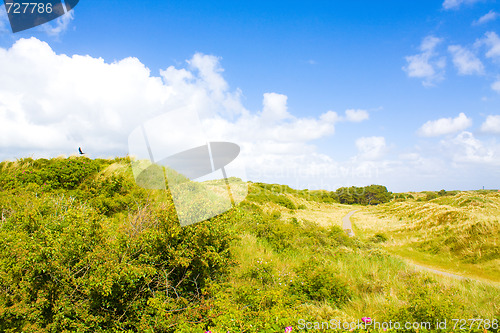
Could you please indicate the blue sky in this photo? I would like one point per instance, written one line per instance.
(421, 78)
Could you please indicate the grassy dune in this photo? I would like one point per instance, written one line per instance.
(460, 233)
(83, 248)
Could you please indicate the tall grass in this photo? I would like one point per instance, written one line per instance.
(464, 227)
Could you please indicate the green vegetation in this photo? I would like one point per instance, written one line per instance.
(84, 249)
(368, 195)
(457, 231)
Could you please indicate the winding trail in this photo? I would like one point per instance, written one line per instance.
(346, 225)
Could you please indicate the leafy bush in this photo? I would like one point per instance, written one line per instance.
(430, 196)
(282, 200)
(317, 282)
(423, 305)
(66, 266)
(379, 238)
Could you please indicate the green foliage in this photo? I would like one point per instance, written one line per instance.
(368, 195)
(84, 249)
(317, 282)
(424, 303)
(430, 196)
(48, 175)
(402, 196)
(379, 238)
(66, 266)
(261, 194)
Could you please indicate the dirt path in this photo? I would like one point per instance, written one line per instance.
(435, 270)
(346, 225)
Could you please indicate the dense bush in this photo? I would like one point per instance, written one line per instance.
(66, 265)
(379, 238)
(427, 301)
(319, 283)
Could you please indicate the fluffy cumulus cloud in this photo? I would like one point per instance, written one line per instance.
(490, 16)
(491, 124)
(454, 4)
(426, 65)
(50, 104)
(492, 42)
(445, 126)
(465, 61)
(465, 148)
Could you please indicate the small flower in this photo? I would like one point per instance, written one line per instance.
(366, 320)
(288, 329)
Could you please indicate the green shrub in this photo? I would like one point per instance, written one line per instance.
(379, 238)
(66, 266)
(317, 282)
(430, 196)
(282, 200)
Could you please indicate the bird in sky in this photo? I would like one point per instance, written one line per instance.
(80, 151)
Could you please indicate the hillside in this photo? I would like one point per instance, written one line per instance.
(83, 248)
(458, 232)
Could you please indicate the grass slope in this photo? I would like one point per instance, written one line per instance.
(460, 232)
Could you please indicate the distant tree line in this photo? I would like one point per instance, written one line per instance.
(367, 195)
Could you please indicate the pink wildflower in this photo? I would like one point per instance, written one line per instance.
(366, 320)
(288, 329)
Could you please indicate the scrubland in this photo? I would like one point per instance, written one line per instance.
(84, 249)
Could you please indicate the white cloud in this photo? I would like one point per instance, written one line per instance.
(426, 65)
(59, 26)
(496, 86)
(492, 41)
(465, 148)
(356, 115)
(465, 61)
(371, 148)
(454, 4)
(491, 124)
(490, 16)
(50, 104)
(274, 108)
(445, 126)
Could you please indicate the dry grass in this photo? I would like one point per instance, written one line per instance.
(324, 214)
(461, 232)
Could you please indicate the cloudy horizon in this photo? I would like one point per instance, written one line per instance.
(54, 99)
